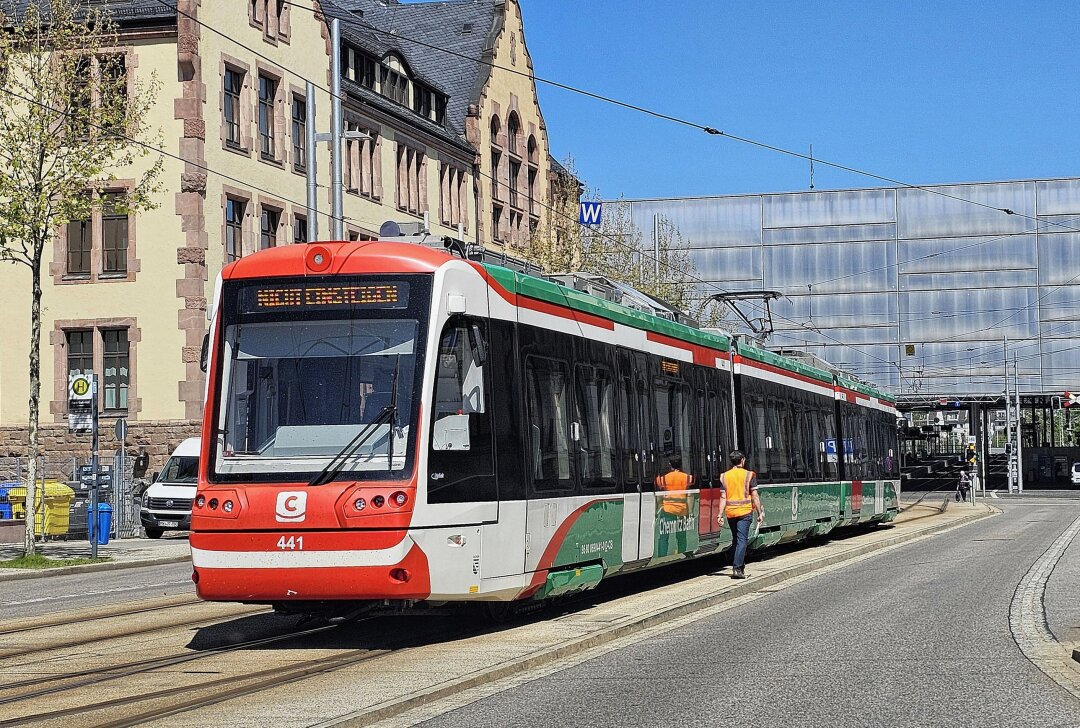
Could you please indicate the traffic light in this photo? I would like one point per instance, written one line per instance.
(970, 457)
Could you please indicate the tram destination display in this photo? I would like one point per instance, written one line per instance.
(321, 296)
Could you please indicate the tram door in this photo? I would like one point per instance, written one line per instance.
(638, 435)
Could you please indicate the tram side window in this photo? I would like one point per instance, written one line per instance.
(673, 419)
(593, 430)
(461, 462)
(828, 433)
(547, 383)
(459, 384)
(725, 430)
(778, 443)
(628, 433)
(855, 442)
(755, 447)
(706, 436)
(815, 443)
(890, 462)
(800, 444)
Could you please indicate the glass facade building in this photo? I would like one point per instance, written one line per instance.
(913, 289)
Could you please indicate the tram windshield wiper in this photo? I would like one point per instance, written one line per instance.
(337, 463)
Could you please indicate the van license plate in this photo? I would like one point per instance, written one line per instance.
(169, 524)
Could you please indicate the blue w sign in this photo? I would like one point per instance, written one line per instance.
(590, 213)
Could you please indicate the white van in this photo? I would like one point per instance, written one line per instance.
(1076, 473)
(166, 504)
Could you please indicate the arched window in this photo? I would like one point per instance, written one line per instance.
(513, 130)
(496, 157)
(533, 151)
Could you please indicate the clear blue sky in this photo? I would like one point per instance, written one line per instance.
(924, 92)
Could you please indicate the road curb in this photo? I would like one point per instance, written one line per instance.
(548, 655)
(19, 574)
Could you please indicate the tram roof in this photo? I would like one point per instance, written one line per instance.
(369, 257)
(560, 295)
(778, 360)
(863, 388)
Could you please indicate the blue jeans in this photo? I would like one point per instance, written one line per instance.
(740, 532)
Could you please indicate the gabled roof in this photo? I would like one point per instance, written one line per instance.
(124, 12)
(461, 26)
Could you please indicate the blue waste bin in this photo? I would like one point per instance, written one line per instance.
(5, 505)
(104, 523)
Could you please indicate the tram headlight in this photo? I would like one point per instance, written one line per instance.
(213, 504)
(200, 501)
(227, 506)
(378, 501)
(399, 499)
(359, 504)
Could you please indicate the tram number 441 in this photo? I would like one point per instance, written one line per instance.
(292, 543)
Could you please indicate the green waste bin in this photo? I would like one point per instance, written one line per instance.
(52, 517)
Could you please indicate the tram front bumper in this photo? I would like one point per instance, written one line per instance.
(312, 565)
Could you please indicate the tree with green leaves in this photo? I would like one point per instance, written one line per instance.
(661, 267)
(70, 118)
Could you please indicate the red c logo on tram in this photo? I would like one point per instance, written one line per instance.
(291, 506)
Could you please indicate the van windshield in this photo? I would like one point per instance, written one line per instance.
(180, 469)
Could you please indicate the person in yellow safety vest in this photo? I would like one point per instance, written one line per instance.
(738, 499)
(674, 506)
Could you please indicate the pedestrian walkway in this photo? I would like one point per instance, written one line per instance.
(122, 553)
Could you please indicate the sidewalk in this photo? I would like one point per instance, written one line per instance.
(123, 554)
(173, 548)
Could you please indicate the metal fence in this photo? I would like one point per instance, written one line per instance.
(116, 486)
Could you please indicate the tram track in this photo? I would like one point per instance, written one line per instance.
(183, 698)
(63, 619)
(115, 672)
(128, 632)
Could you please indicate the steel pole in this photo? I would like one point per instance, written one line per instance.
(656, 245)
(310, 152)
(1020, 427)
(95, 468)
(337, 222)
(1008, 412)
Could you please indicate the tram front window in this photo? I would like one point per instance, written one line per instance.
(295, 393)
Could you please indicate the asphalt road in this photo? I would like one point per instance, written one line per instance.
(918, 636)
(32, 597)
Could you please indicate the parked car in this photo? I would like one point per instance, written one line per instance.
(166, 503)
(1076, 473)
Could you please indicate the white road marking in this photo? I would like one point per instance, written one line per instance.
(1027, 617)
(97, 593)
(993, 494)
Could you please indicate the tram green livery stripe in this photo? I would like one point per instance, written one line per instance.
(553, 293)
(592, 545)
(596, 535)
(768, 357)
(860, 387)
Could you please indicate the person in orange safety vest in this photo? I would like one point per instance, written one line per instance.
(674, 506)
(738, 500)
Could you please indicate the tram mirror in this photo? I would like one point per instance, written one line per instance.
(204, 352)
(476, 341)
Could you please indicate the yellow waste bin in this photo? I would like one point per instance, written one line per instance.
(53, 509)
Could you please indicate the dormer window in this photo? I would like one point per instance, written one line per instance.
(395, 86)
(429, 103)
(358, 66)
(422, 99)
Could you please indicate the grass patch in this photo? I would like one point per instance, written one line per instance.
(37, 561)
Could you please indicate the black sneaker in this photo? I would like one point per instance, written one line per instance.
(738, 574)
